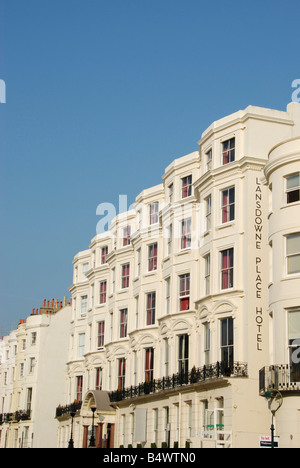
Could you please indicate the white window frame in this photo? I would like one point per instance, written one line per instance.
(83, 305)
(293, 189)
(188, 235)
(230, 150)
(153, 216)
(228, 205)
(294, 254)
(208, 217)
(207, 274)
(189, 186)
(209, 156)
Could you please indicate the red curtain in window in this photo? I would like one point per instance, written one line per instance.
(225, 207)
(150, 308)
(186, 187)
(103, 292)
(100, 334)
(225, 152)
(153, 257)
(227, 265)
(98, 378)
(103, 255)
(125, 278)
(149, 364)
(123, 323)
(79, 388)
(126, 239)
(184, 292)
(121, 376)
(225, 277)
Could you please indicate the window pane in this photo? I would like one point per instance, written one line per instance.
(293, 264)
(293, 244)
(293, 196)
(224, 333)
(293, 181)
(294, 325)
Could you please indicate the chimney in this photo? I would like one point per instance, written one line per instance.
(52, 302)
(44, 302)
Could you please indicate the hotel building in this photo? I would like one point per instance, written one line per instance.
(184, 329)
(186, 313)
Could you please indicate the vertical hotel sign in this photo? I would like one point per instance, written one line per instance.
(258, 230)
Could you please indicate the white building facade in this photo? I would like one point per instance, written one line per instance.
(32, 377)
(186, 311)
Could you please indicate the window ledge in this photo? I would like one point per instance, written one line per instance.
(288, 205)
(225, 225)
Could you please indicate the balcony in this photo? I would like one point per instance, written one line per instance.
(64, 412)
(203, 374)
(15, 417)
(283, 378)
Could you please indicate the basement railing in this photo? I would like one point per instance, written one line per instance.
(196, 375)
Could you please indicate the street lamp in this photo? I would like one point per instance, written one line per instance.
(71, 442)
(276, 396)
(92, 438)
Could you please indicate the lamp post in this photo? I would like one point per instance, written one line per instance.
(277, 397)
(71, 442)
(92, 438)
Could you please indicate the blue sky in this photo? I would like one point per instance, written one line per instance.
(101, 97)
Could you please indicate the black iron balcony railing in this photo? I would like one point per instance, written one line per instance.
(279, 377)
(68, 409)
(15, 417)
(195, 375)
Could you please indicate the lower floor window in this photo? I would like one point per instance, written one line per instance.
(227, 348)
(294, 344)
